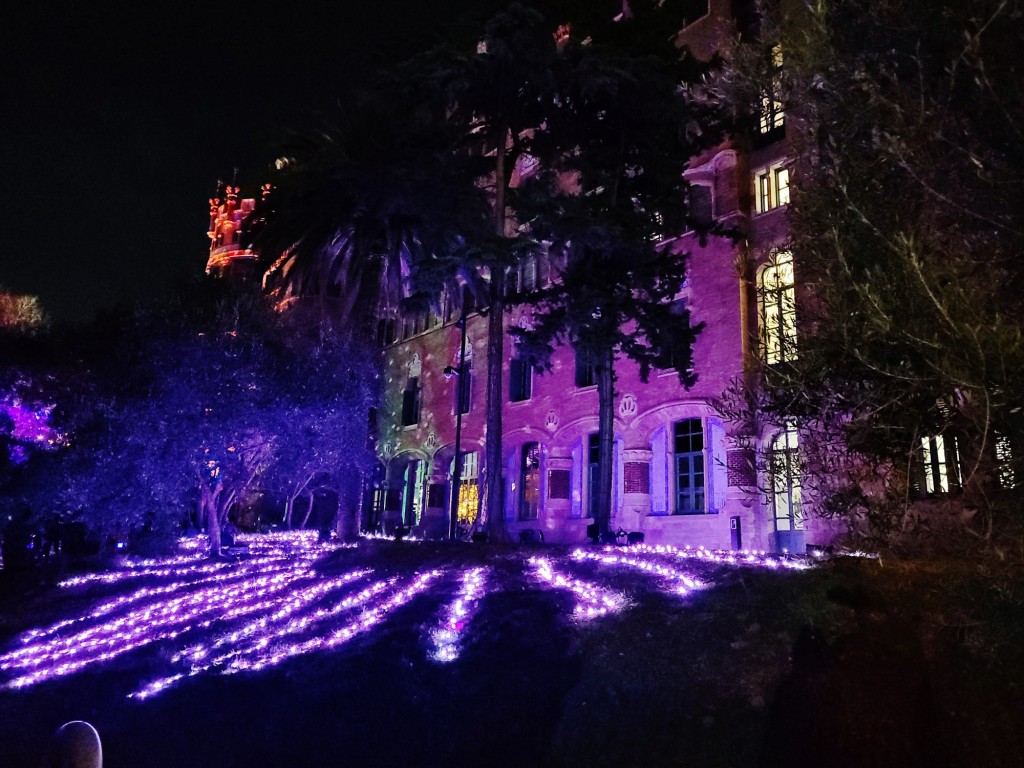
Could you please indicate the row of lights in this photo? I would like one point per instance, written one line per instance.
(592, 600)
(266, 633)
(447, 635)
(164, 620)
(685, 583)
(749, 557)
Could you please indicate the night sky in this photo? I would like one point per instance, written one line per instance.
(118, 120)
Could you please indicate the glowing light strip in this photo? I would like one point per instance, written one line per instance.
(384, 537)
(685, 582)
(162, 684)
(446, 636)
(263, 549)
(726, 557)
(115, 577)
(156, 562)
(168, 620)
(292, 605)
(591, 600)
(142, 593)
(252, 660)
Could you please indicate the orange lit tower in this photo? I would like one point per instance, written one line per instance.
(229, 256)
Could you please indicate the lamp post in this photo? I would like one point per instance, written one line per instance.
(460, 372)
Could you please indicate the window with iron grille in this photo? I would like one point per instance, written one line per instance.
(784, 478)
(777, 304)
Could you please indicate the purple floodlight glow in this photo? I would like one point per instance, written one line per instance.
(446, 636)
(29, 426)
(685, 583)
(591, 600)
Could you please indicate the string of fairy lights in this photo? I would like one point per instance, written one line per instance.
(277, 604)
(446, 637)
(683, 583)
(592, 600)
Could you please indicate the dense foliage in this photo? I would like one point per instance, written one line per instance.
(184, 411)
(906, 229)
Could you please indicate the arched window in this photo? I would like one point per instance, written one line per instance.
(784, 476)
(777, 305)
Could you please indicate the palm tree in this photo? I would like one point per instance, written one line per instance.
(355, 208)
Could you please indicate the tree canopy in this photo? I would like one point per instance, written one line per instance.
(906, 229)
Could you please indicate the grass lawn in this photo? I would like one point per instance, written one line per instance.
(852, 662)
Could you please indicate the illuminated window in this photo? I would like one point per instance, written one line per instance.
(772, 188)
(940, 464)
(1004, 462)
(777, 304)
(784, 477)
(529, 482)
(689, 467)
(469, 489)
(413, 483)
(773, 115)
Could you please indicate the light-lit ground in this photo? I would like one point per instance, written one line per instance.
(434, 654)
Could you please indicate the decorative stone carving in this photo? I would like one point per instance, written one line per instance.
(551, 421)
(431, 440)
(415, 366)
(627, 406)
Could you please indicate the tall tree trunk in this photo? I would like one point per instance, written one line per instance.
(309, 511)
(213, 526)
(495, 378)
(495, 355)
(605, 374)
(289, 510)
(208, 517)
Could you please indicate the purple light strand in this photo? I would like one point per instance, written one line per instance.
(295, 602)
(592, 600)
(244, 570)
(447, 635)
(726, 557)
(252, 659)
(167, 620)
(197, 654)
(685, 583)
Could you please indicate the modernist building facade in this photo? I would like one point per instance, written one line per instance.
(684, 475)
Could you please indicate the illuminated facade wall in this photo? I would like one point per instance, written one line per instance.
(683, 474)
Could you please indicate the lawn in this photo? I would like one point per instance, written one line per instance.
(425, 654)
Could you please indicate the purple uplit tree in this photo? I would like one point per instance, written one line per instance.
(196, 405)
